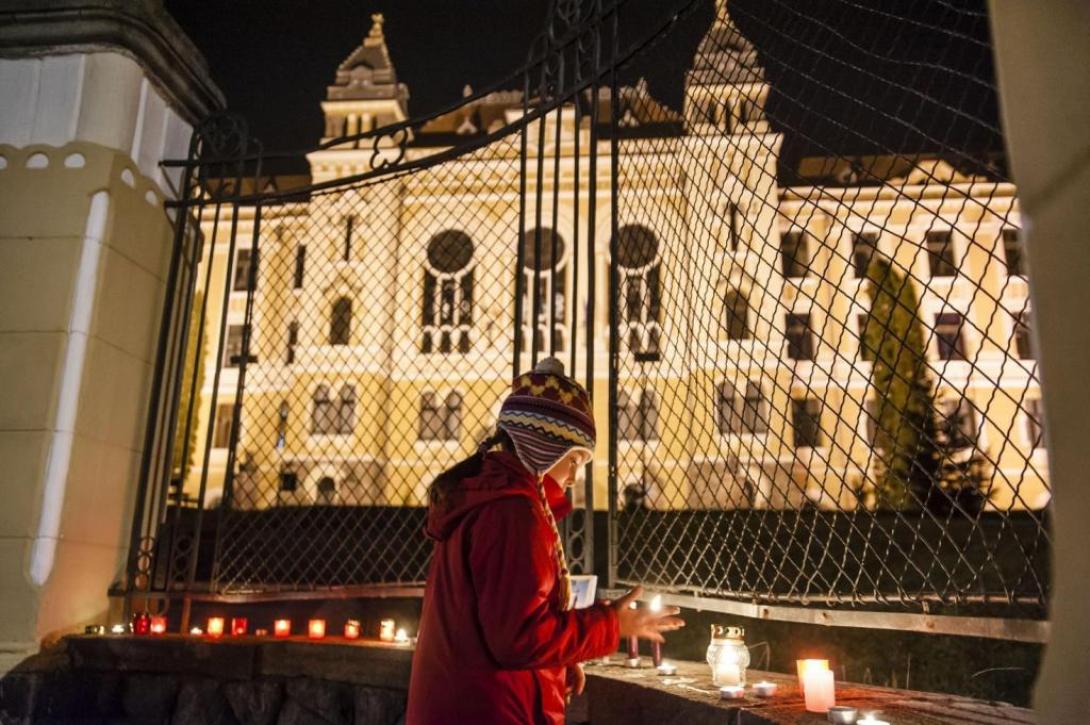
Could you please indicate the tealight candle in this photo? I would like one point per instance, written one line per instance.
(118, 629)
(667, 669)
(842, 715)
(282, 628)
(316, 628)
(870, 720)
(401, 637)
(239, 625)
(764, 689)
(95, 629)
(805, 666)
(158, 624)
(386, 630)
(819, 690)
(215, 627)
(261, 632)
(732, 692)
(351, 629)
(197, 631)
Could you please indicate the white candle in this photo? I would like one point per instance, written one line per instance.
(869, 720)
(764, 689)
(667, 669)
(732, 692)
(819, 690)
(728, 674)
(401, 637)
(386, 630)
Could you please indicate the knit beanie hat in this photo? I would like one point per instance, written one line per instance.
(547, 414)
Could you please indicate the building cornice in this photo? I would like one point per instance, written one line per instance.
(141, 29)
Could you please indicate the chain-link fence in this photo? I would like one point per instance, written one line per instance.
(797, 296)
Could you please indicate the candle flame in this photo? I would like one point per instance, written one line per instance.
(656, 603)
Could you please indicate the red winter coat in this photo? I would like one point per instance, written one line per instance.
(493, 644)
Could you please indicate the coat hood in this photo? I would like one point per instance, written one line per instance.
(502, 475)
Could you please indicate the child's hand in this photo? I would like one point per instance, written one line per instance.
(644, 623)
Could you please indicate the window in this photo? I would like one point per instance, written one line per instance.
(340, 322)
(726, 410)
(448, 293)
(1023, 344)
(232, 349)
(866, 352)
(300, 265)
(948, 335)
(794, 254)
(800, 341)
(551, 292)
(748, 414)
(806, 422)
(940, 254)
(754, 409)
(349, 222)
(242, 271)
(637, 417)
(1034, 423)
(289, 481)
(870, 415)
(733, 228)
(225, 416)
(293, 340)
(346, 410)
(863, 247)
(440, 420)
(324, 418)
(957, 423)
(637, 260)
(1012, 250)
(326, 491)
(736, 308)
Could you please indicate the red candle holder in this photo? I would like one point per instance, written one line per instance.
(215, 627)
(141, 623)
(282, 628)
(239, 626)
(158, 624)
(316, 628)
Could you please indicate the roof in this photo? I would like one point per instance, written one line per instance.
(367, 73)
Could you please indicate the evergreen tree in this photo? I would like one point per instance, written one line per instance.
(194, 365)
(905, 450)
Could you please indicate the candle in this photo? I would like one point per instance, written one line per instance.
(842, 714)
(261, 632)
(870, 720)
(197, 631)
(764, 689)
(215, 627)
(732, 692)
(728, 674)
(633, 645)
(316, 628)
(386, 630)
(141, 623)
(805, 666)
(95, 629)
(118, 629)
(282, 628)
(667, 669)
(401, 637)
(819, 690)
(239, 625)
(351, 629)
(656, 647)
(158, 624)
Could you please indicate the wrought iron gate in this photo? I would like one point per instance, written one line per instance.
(816, 372)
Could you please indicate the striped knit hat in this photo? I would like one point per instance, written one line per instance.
(547, 414)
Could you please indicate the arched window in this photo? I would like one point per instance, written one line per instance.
(346, 414)
(637, 415)
(641, 290)
(323, 420)
(453, 421)
(549, 271)
(440, 420)
(340, 322)
(326, 491)
(736, 313)
(448, 293)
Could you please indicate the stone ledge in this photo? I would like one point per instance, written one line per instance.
(618, 694)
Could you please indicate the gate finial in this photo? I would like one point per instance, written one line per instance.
(376, 25)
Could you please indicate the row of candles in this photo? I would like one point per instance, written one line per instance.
(144, 623)
(729, 657)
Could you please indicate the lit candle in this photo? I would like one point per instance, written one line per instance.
(656, 647)
(95, 629)
(141, 623)
(261, 632)
(732, 692)
(119, 629)
(870, 720)
(386, 630)
(316, 628)
(401, 637)
(239, 625)
(196, 631)
(667, 669)
(764, 689)
(633, 645)
(819, 690)
(215, 627)
(351, 629)
(805, 666)
(729, 674)
(158, 624)
(282, 628)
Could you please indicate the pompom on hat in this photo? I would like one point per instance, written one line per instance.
(547, 414)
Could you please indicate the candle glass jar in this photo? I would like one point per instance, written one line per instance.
(728, 656)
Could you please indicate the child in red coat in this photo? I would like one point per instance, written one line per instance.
(498, 640)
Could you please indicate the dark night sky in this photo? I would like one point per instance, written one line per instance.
(848, 76)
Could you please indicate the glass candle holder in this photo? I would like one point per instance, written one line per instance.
(351, 629)
(316, 628)
(728, 656)
(141, 623)
(239, 626)
(158, 624)
(386, 630)
(282, 628)
(215, 627)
